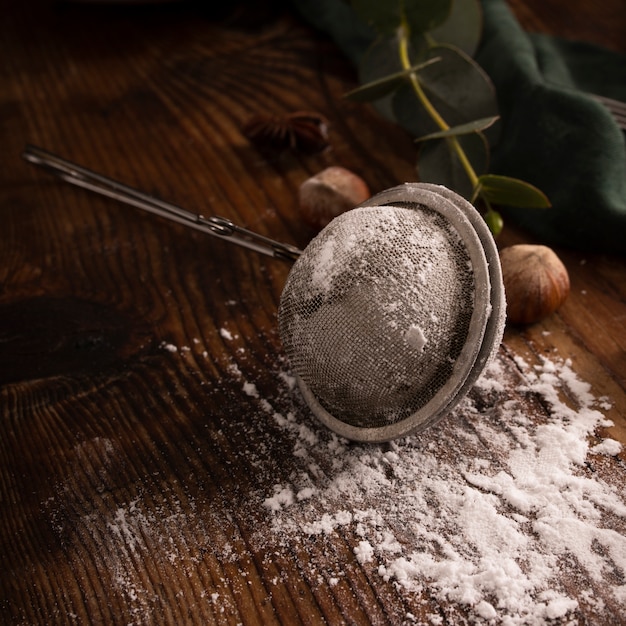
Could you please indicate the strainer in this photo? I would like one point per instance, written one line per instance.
(392, 312)
(388, 316)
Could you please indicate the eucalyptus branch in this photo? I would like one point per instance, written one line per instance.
(403, 34)
(406, 65)
(456, 153)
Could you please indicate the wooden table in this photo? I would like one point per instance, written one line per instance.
(148, 424)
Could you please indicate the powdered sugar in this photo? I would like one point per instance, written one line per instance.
(364, 552)
(415, 337)
(493, 532)
(499, 513)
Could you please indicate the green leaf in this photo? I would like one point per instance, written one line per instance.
(424, 15)
(459, 85)
(456, 86)
(463, 28)
(419, 15)
(385, 16)
(409, 113)
(381, 60)
(507, 191)
(463, 129)
(439, 164)
(377, 89)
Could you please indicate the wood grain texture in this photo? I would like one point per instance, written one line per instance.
(141, 371)
(578, 20)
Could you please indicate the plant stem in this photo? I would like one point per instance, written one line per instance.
(453, 142)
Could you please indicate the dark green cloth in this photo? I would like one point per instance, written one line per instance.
(553, 135)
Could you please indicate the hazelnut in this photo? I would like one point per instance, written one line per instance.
(329, 193)
(536, 282)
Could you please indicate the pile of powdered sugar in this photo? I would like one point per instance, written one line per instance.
(494, 510)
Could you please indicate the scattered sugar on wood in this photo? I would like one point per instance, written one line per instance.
(494, 531)
(493, 510)
(226, 334)
(170, 347)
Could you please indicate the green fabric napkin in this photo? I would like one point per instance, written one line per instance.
(553, 134)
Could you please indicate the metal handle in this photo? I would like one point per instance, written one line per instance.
(220, 227)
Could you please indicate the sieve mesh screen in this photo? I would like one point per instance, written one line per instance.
(376, 312)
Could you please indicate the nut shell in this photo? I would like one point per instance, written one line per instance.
(536, 282)
(329, 193)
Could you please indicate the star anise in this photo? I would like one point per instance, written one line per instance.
(304, 131)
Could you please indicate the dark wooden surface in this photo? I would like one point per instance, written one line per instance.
(101, 420)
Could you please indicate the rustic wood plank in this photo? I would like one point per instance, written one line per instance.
(579, 21)
(146, 409)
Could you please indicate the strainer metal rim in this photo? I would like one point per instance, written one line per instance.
(495, 325)
(466, 222)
